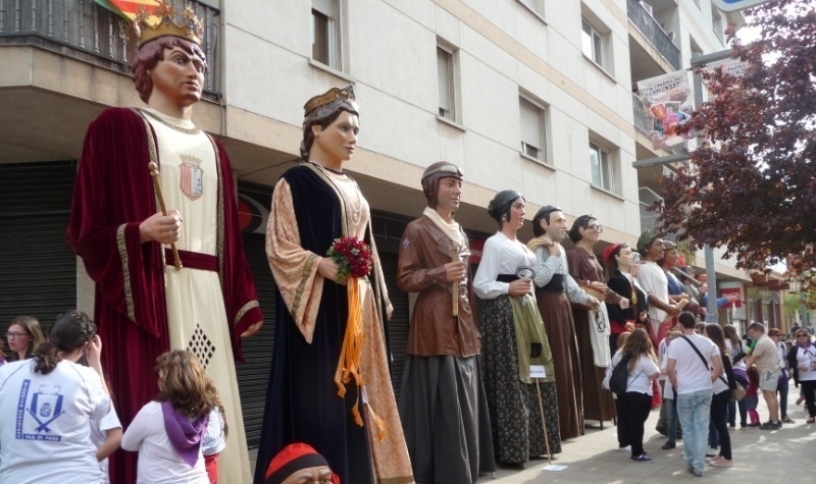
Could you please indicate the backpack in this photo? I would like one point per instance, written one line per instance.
(619, 380)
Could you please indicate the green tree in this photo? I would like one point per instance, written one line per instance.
(752, 187)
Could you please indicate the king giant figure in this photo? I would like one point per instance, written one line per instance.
(149, 299)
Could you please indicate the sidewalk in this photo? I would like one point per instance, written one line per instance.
(784, 456)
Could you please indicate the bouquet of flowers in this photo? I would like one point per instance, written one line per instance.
(353, 257)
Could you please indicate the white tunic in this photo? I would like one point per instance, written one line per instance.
(197, 318)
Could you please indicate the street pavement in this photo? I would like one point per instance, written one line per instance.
(784, 456)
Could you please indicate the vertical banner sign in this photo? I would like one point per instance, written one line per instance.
(669, 99)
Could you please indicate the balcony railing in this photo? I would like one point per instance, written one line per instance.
(648, 219)
(652, 30)
(84, 30)
(644, 122)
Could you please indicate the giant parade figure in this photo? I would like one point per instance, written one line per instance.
(165, 279)
(443, 404)
(329, 385)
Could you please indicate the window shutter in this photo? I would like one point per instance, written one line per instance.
(531, 129)
(443, 62)
(326, 7)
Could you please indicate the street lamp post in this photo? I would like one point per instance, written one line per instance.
(712, 311)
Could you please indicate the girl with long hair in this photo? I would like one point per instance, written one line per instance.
(47, 404)
(168, 432)
(636, 402)
(722, 395)
(736, 350)
(24, 336)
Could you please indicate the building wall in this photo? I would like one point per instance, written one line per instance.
(503, 49)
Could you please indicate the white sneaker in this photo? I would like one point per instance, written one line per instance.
(628, 448)
(712, 452)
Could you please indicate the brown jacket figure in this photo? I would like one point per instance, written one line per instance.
(434, 330)
(442, 406)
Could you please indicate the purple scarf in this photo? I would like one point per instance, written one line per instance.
(185, 436)
(805, 346)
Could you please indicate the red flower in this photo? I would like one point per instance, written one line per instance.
(353, 257)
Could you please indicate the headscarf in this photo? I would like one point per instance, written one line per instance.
(292, 458)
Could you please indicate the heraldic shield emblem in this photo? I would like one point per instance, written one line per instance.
(37, 412)
(192, 177)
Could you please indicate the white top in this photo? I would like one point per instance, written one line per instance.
(640, 378)
(99, 429)
(806, 357)
(783, 355)
(668, 389)
(45, 423)
(159, 463)
(653, 280)
(214, 442)
(692, 374)
(662, 351)
(721, 383)
(734, 350)
(500, 255)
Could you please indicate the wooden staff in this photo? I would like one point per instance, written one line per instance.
(543, 422)
(455, 285)
(154, 173)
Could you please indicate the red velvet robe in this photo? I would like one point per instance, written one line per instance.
(113, 194)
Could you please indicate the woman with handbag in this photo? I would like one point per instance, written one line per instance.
(722, 395)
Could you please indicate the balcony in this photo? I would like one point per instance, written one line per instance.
(83, 30)
(654, 33)
(644, 122)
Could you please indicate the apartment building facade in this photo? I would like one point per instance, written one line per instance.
(532, 95)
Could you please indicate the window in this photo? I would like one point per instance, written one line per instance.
(326, 32)
(533, 123)
(447, 88)
(716, 22)
(593, 43)
(601, 165)
(536, 6)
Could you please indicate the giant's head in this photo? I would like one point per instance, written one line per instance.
(321, 111)
(169, 56)
(432, 180)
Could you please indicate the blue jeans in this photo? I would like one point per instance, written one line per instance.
(694, 411)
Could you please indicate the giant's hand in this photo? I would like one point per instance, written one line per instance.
(252, 330)
(454, 271)
(164, 229)
(520, 287)
(328, 269)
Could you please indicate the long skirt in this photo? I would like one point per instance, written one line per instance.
(557, 316)
(598, 403)
(444, 415)
(515, 416)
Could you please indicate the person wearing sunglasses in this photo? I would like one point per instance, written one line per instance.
(592, 327)
(442, 383)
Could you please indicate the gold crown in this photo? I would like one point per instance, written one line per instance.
(335, 93)
(191, 28)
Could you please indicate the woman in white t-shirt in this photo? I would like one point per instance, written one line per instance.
(636, 402)
(47, 404)
(168, 432)
(802, 357)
